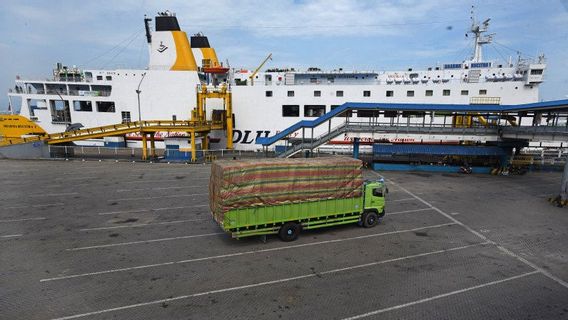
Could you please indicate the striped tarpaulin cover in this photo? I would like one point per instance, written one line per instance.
(264, 182)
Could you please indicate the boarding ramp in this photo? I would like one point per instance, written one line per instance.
(151, 126)
(493, 123)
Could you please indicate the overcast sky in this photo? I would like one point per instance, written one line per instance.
(360, 35)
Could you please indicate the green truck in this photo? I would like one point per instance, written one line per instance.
(286, 196)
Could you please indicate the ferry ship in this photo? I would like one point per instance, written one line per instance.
(264, 102)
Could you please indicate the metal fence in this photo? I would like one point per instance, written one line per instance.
(135, 154)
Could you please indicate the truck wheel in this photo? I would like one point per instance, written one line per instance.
(289, 231)
(370, 219)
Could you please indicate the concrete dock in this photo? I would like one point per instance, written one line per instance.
(106, 240)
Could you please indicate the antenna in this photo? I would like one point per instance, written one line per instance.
(478, 31)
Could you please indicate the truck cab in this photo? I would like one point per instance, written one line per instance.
(374, 197)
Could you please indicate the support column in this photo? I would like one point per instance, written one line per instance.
(356, 142)
(564, 184)
(205, 142)
(152, 146)
(193, 151)
(144, 146)
(229, 119)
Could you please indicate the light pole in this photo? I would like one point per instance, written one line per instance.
(138, 93)
(144, 143)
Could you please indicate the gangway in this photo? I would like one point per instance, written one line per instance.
(461, 128)
(147, 129)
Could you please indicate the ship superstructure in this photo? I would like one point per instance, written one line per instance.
(263, 102)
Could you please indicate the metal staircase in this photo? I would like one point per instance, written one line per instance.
(460, 131)
(314, 143)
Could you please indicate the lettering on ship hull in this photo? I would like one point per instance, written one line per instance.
(245, 136)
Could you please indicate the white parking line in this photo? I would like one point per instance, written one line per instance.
(77, 178)
(163, 188)
(246, 252)
(168, 180)
(135, 225)
(265, 283)
(54, 194)
(481, 236)
(23, 219)
(408, 211)
(399, 200)
(159, 197)
(152, 210)
(11, 236)
(145, 241)
(35, 205)
(443, 295)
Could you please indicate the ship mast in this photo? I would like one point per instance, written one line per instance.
(477, 30)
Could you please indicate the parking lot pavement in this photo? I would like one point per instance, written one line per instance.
(99, 240)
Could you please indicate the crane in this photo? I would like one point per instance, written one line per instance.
(251, 77)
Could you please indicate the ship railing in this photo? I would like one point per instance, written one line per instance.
(485, 100)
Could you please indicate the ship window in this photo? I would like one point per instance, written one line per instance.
(446, 92)
(464, 92)
(269, 93)
(99, 77)
(413, 114)
(109, 78)
(290, 93)
(348, 113)
(82, 106)
(410, 93)
(314, 110)
(366, 93)
(313, 80)
(390, 93)
(37, 104)
(101, 91)
(391, 114)
(105, 106)
(429, 93)
(536, 71)
(339, 93)
(368, 113)
(317, 93)
(482, 92)
(290, 110)
(126, 116)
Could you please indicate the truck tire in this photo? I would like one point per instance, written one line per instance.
(370, 219)
(289, 231)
